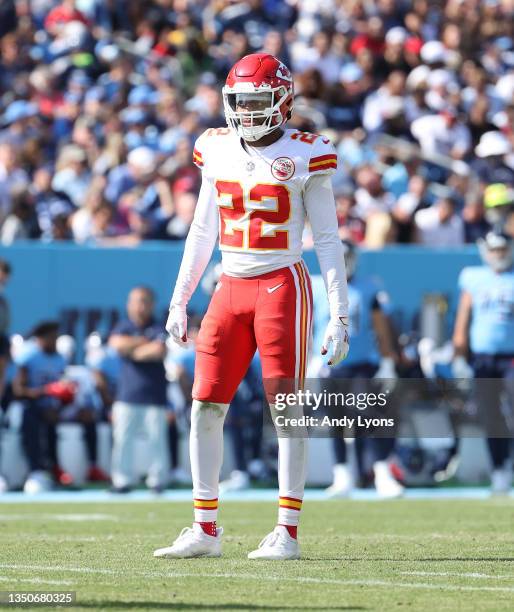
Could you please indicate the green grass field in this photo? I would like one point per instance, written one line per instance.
(419, 555)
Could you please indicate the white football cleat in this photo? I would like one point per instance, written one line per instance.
(385, 484)
(277, 545)
(343, 482)
(501, 481)
(192, 542)
(4, 487)
(237, 481)
(38, 481)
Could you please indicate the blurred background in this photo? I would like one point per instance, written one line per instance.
(101, 102)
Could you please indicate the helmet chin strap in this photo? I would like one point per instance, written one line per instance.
(254, 137)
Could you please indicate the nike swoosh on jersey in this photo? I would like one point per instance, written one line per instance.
(271, 289)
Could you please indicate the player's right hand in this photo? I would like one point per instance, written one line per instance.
(336, 339)
(176, 325)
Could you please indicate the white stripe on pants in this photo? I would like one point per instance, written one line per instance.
(127, 420)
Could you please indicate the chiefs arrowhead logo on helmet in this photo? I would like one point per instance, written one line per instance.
(258, 96)
(284, 73)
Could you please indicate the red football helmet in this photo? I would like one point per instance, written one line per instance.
(258, 95)
(63, 390)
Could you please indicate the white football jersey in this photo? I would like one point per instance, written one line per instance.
(260, 195)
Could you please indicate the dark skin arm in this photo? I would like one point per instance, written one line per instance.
(125, 345)
(383, 333)
(154, 350)
(461, 329)
(21, 389)
(103, 387)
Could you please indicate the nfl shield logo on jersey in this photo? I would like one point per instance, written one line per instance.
(283, 168)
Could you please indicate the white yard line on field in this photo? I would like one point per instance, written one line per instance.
(36, 581)
(73, 517)
(351, 582)
(62, 568)
(271, 578)
(55, 538)
(460, 575)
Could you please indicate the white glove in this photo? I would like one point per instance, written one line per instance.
(176, 325)
(386, 369)
(337, 338)
(461, 368)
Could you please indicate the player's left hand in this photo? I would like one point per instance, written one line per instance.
(337, 340)
(176, 325)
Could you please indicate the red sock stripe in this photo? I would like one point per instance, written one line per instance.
(290, 503)
(205, 504)
(292, 530)
(209, 527)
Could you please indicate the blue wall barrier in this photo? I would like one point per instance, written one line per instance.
(86, 287)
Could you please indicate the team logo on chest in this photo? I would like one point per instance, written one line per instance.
(283, 168)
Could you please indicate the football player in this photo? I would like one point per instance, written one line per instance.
(484, 329)
(260, 182)
(373, 355)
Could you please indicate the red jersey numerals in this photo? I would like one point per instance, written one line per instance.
(307, 137)
(231, 213)
(280, 238)
(241, 226)
(222, 131)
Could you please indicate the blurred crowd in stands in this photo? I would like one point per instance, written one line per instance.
(101, 102)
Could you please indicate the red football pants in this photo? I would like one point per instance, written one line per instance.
(272, 313)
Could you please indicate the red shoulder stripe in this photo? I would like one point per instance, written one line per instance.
(323, 158)
(325, 166)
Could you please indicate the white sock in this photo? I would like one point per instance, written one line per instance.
(292, 468)
(206, 452)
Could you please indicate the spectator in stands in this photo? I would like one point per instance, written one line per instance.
(141, 393)
(475, 223)
(8, 18)
(65, 13)
(407, 205)
(370, 196)
(12, 177)
(377, 106)
(351, 226)
(137, 180)
(443, 134)
(493, 164)
(73, 176)
(439, 225)
(441, 77)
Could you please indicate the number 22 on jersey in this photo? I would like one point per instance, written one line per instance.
(242, 221)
